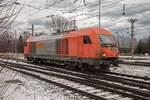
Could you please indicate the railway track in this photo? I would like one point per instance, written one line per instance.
(137, 63)
(107, 85)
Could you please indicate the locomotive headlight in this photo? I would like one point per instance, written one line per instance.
(114, 54)
(103, 54)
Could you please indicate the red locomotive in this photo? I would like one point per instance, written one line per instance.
(84, 47)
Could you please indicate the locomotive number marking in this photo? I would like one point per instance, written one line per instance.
(39, 45)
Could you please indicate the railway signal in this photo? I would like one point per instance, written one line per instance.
(132, 21)
(123, 13)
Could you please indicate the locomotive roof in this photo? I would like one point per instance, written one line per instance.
(44, 37)
(87, 31)
(81, 32)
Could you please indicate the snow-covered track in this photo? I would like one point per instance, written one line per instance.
(95, 82)
(127, 75)
(73, 86)
(137, 63)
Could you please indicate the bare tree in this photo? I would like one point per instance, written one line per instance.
(20, 44)
(123, 42)
(6, 44)
(143, 46)
(58, 23)
(8, 13)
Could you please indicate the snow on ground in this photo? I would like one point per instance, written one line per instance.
(14, 61)
(136, 59)
(143, 61)
(16, 86)
(28, 88)
(132, 70)
(143, 58)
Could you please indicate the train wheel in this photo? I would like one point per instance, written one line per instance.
(116, 65)
(40, 61)
(90, 68)
(104, 68)
(70, 65)
(82, 66)
(97, 67)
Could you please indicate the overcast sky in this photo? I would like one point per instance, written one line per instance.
(35, 12)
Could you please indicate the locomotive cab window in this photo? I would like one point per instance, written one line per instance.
(107, 40)
(86, 40)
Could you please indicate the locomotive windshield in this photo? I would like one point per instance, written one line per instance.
(107, 40)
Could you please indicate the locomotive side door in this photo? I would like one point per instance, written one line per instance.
(80, 46)
(88, 47)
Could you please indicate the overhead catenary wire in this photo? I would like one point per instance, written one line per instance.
(110, 12)
(96, 8)
(108, 5)
(35, 12)
(63, 12)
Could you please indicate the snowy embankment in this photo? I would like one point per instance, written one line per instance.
(137, 70)
(136, 59)
(132, 70)
(16, 86)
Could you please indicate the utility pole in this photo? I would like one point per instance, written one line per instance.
(84, 3)
(32, 29)
(74, 24)
(132, 21)
(15, 51)
(118, 40)
(99, 13)
(47, 3)
(12, 43)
